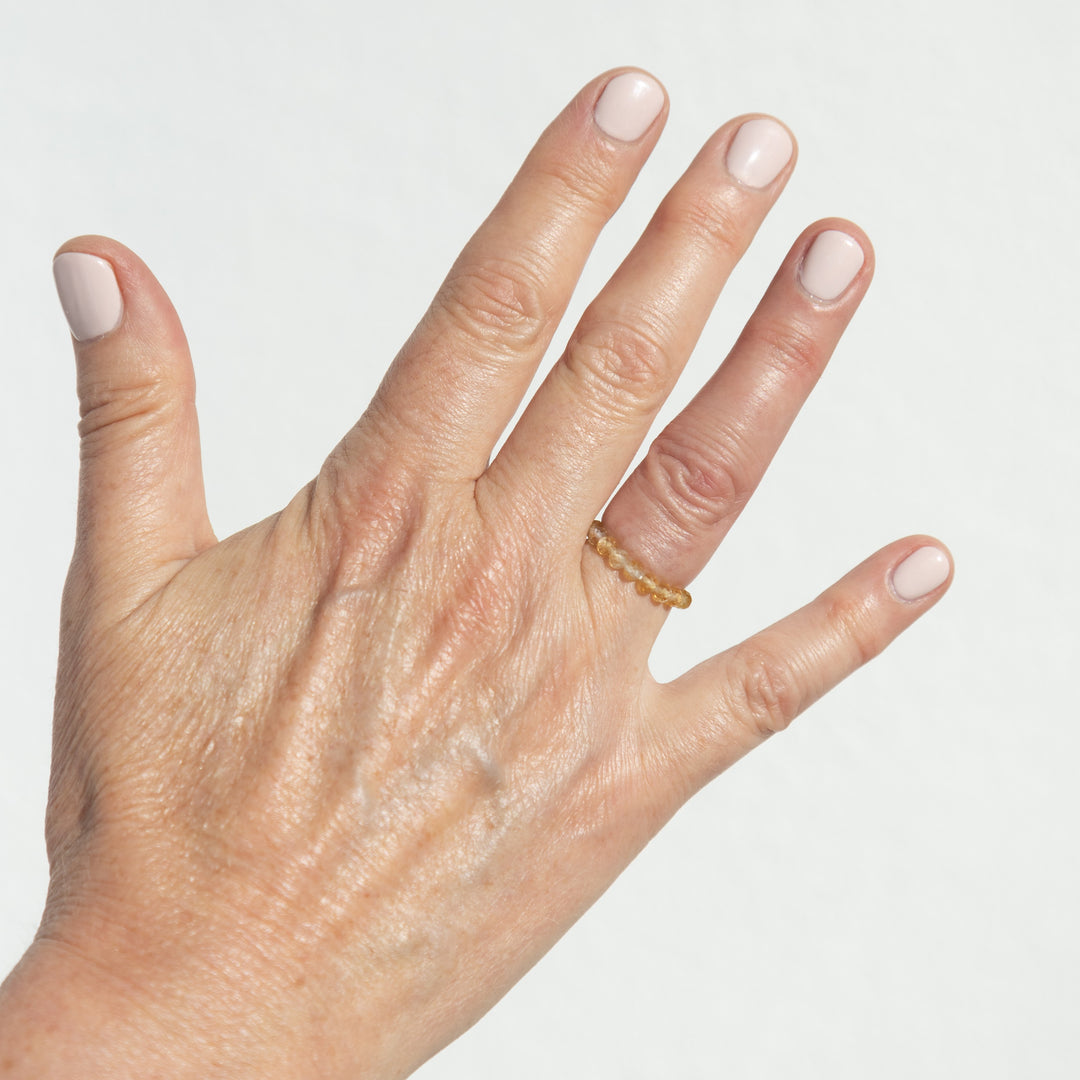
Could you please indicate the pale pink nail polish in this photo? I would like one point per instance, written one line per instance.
(831, 264)
(920, 573)
(628, 106)
(760, 150)
(88, 293)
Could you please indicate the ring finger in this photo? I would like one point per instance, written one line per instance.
(700, 471)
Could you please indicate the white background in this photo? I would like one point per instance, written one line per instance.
(891, 888)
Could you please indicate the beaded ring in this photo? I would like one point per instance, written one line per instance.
(607, 547)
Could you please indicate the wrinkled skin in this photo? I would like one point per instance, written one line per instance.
(324, 790)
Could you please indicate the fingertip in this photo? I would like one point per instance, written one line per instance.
(923, 569)
(758, 150)
(90, 242)
(629, 104)
(121, 261)
(846, 226)
(835, 261)
(89, 294)
(104, 287)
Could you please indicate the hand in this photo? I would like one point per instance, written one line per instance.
(324, 790)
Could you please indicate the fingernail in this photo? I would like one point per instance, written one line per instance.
(89, 294)
(831, 264)
(759, 151)
(629, 105)
(920, 573)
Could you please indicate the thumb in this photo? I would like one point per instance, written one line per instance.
(142, 507)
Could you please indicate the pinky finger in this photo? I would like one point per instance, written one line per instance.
(724, 707)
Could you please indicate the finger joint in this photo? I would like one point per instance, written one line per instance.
(707, 222)
(623, 366)
(767, 691)
(495, 302)
(790, 348)
(697, 487)
(850, 621)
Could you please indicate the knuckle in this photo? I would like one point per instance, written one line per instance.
(574, 184)
(767, 694)
(623, 365)
(499, 301)
(790, 348)
(697, 487)
(362, 520)
(705, 220)
(107, 410)
(850, 621)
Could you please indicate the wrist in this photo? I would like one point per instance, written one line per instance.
(62, 1016)
(69, 1012)
(65, 1014)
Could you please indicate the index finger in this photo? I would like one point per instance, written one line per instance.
(460, 377)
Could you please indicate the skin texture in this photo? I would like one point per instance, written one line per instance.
(324, 790)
